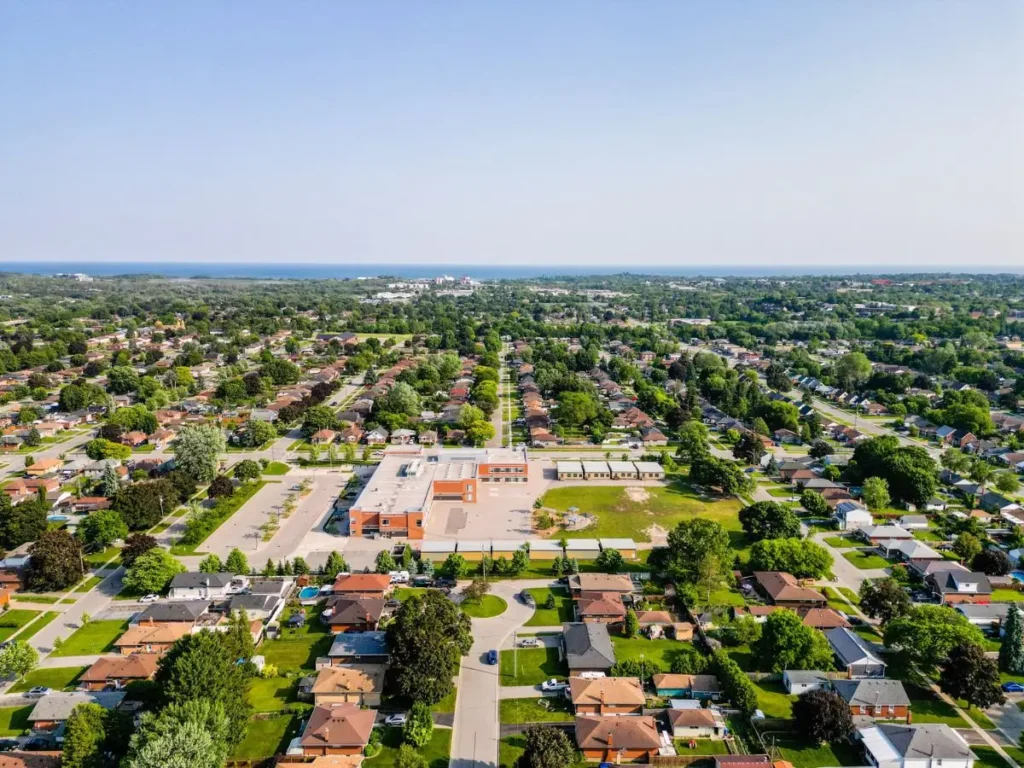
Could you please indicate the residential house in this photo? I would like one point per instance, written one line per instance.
(360, 684)
(652, 437)
(352, 435)
(362, 585)
(988, 617)
(612, 739)
(915, 746)
(337, 729)
(195, 585)
(914, 522)
(323, 437)
(358, 648)
(51, 711)
(358, 614)
(43, 467)
(784, 590)
(607, 696)
(823, 618)
(599, 582)
(854, 655)
(178, 612)
(134, 439)
(797, 681)
(696, 723)
(786, 437)
(701, 687)
(850, 516)
(118, 671)
(427, 437)
(587, 648)
(376, 436)
(605, 607)
(879, 698)
(151, 638)
(952, 586)
(403, 437)
(876, 534)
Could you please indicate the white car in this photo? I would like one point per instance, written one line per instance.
(149, 599)
(553, 685)
(529, 642)
(395, 720)
(400, 577)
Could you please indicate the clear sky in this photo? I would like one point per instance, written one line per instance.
(634, 132)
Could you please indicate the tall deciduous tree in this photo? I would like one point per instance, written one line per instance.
(884, 599)
(428, 638)
(17, 659)
(787, 643)
(823, 715)
(769, 520)
(928, 633)
(102, 528)
(196, 451)
(152, 572)
(135, 545)
(546, 747)
(21, 522)
(690, 542)
(875, 493)
(193, 734)
(237, 563)
(55, 563)
(969, 675)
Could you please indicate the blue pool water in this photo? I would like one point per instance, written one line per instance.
(308, 593)
(1017, 575)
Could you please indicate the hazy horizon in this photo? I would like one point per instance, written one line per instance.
(791, 135)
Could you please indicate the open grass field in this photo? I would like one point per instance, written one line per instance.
(57, 678)
(296, 654)
(14, 720)
(660, 652)
(866, 560)
(267, 737)
(435, 752)
(550, 617)
(486, 607)
(94, 637)
(550, 709)
(535, 665)
(13, 620)
(630, 513)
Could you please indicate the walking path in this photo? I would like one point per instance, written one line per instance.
(476, 731)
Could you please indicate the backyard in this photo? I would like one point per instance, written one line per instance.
(435, 751)
(267, 737)
(631, 512)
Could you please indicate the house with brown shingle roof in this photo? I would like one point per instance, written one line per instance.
(362, 585)
(151, 638)
(337, 729)
(359, 684)
(600, 582)
(607, 696)
(783, 589)
(119, 671)
(615, 739)
(604, 607)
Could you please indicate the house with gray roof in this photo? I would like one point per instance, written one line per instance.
(195, 585)
(797, 681)
(53, 710)
(881, 698)
(917, 746)
(988, 617)
(357, 647)
(587, 647)
(185, 611)
(854, 654)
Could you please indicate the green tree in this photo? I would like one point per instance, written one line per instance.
(632, 624)
(100, 449)
(238, 636)
(852, 369)
(428, 638)
(55, 563)
(721, 474)
(928, 633)
(801, 557)
(875, 493)
(401, 398)
(136, 544)
(280, 371)
(1011, 650)
(955, 460)
(735, 684)
(211, 564)
(420, 725)
(237, 563)
(546, 747)
(408, 757)
(814, 503)
(823, 715)
(1007, 482)
(316, 418)
(385, 562)
(17, 659)
(102, 528)
(454, 567)
(884, 599)
(201, 666)
(967, 547)
(769, 520)
(480, 432)
(690, 542)
(121, 380)
(749, 449)
(144, 504)
(610, 561)
(787, 643)
(969, 675)
(192, 734)
(20, 523)
(334, 565)
(220, 487)
(247, 470)
(196, 451)
(111, 482)
(152, 572)
(85, 735)
(693, 441)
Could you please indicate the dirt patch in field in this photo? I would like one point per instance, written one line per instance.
(637, 494)
(658, 535)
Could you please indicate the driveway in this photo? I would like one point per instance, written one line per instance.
(846, 573)
(476, 729)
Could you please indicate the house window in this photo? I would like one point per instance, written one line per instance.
(385, 522)
(419, 523)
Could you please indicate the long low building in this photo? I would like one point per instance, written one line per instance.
(609, 470)
(398, 497)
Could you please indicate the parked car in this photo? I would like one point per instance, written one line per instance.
(8, 745)
(553, 685)
(395, 720)
(1013, 687)
(529, 642)
(37, 744)
(492, 657)
(149, 598)
(38, 692)
(392, 604)
(399, 577)
(528, 599)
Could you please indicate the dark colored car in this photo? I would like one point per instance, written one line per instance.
(37, 745)
(297, 620)
(9, 745)
(492, 657)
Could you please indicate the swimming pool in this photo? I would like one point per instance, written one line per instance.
(1017, 575)
(309, 593)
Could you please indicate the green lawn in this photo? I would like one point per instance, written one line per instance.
(296, 654)
(486, 607)
(619, 516)
(804, 755)
(989, 758)
(550, 709)
(866, 560)
(1007, 596)
(271, 694)
(94, 637)
(660, 652)
(37, 625)
(781, 492)
(436, 751)
(57, 678)
(929, 708)
(850, 595)
(14, 619)
(14, 720)
(511, 747)
(550, 617)
(701, 747)
(839, 542)
(276, 468)
(928, 534)
(535, 665)
(97, 559)
(89, 584)
(743, 656)
(773, 700)
(28, 597)
(267, 738)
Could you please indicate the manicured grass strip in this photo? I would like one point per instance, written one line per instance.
(276, 468)
(56, 678)
(13, 620)
(839, 542)
(267, 737)
(988, 757)
(850, 595)
(486, 607)
(929, 708)
(97, 559)
(866, 560)
(535, 665)
(550, 709)
(28, 597)
(89, 584)
(30, 631)
(14, 720)
(95, 637)
(550, 617)
(224, 509)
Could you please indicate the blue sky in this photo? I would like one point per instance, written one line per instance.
(856, 132)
